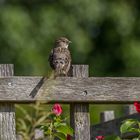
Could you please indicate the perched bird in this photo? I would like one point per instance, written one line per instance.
(60, 57)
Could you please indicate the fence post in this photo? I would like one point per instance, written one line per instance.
(7, 110)
(79, 112)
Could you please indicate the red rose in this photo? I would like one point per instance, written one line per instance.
(68, 137)
(137, 106)
(57, 109)
(100, 137)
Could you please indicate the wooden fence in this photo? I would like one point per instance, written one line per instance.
(78, 91)
(109, 125)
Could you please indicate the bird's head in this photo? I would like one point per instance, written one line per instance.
(62, 42)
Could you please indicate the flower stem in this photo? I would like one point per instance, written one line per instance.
(51, 129)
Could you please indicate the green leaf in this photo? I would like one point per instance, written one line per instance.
(47, 132)
(61, 136)
(128, 125)
(117, 138)
(112, 137)
(22, 124)
(57, 124)
(134, 130)
(65, 129)
(130, 120)
(135, 139)
(25, 113)
(40, 120)
(43, 127)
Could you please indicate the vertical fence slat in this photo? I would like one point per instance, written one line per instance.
(129, 109)
(107, 116)
(7, 110)
(79, 113)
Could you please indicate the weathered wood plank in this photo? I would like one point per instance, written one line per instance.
(97, 90)
(70, 89)
(111, 127)
(19, 89)
(6, 70)
(107, 116)
(79, 112)
(7, 110)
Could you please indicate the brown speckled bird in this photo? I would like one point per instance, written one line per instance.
(60, 57)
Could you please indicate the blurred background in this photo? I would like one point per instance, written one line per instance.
(105, 35)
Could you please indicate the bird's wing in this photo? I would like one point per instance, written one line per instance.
(67, 57)
(51, 59)
(69, 62)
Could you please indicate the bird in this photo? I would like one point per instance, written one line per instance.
(60, 57)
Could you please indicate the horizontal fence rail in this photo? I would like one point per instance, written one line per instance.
(70, 89)
(77, 91)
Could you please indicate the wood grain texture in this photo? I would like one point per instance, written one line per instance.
(19, 88)
(70, 89)
(93, 90)
(7, 110)
(112, 127)
(79, 112)
(6, 70)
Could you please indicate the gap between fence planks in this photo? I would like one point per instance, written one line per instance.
(7, 110)
(70, 89)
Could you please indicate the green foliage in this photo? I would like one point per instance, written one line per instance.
(56, 127)
(27, 123)
(128, 126)
(131, 125)
(105, 33)
(112, 137)
(53, 126)
(65, 129)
